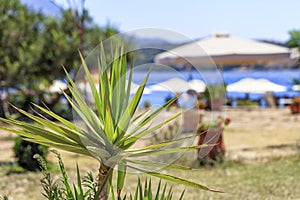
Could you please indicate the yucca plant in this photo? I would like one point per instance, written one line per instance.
(111, 126)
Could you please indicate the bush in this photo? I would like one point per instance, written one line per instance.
(24, 152)
(86, 189)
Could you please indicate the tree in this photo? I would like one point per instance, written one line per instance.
(35, 47)
(77, 14)
(294, 42)
(20, 45)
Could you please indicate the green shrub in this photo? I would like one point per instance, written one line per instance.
(24, 152)
(63, 189)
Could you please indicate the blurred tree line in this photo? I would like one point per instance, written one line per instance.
(294, 42)
(35, 46)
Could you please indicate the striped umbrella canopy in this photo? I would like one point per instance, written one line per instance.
(223, 49)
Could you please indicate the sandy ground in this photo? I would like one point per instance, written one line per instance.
(258, 133)
(253, 133)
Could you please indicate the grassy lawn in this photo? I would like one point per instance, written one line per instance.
(273, 179)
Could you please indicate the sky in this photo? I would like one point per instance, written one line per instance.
(193, 19)
(255, 19)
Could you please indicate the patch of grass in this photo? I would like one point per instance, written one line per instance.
(16, 169)
(274, 179)
(8, 168)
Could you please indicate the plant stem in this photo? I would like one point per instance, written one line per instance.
(102, 179)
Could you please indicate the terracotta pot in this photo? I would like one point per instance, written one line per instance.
(295, 108)
(214, 137)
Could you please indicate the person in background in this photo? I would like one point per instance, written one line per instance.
(188, 99)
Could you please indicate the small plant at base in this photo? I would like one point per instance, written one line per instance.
(51, 189)
(85, 189)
